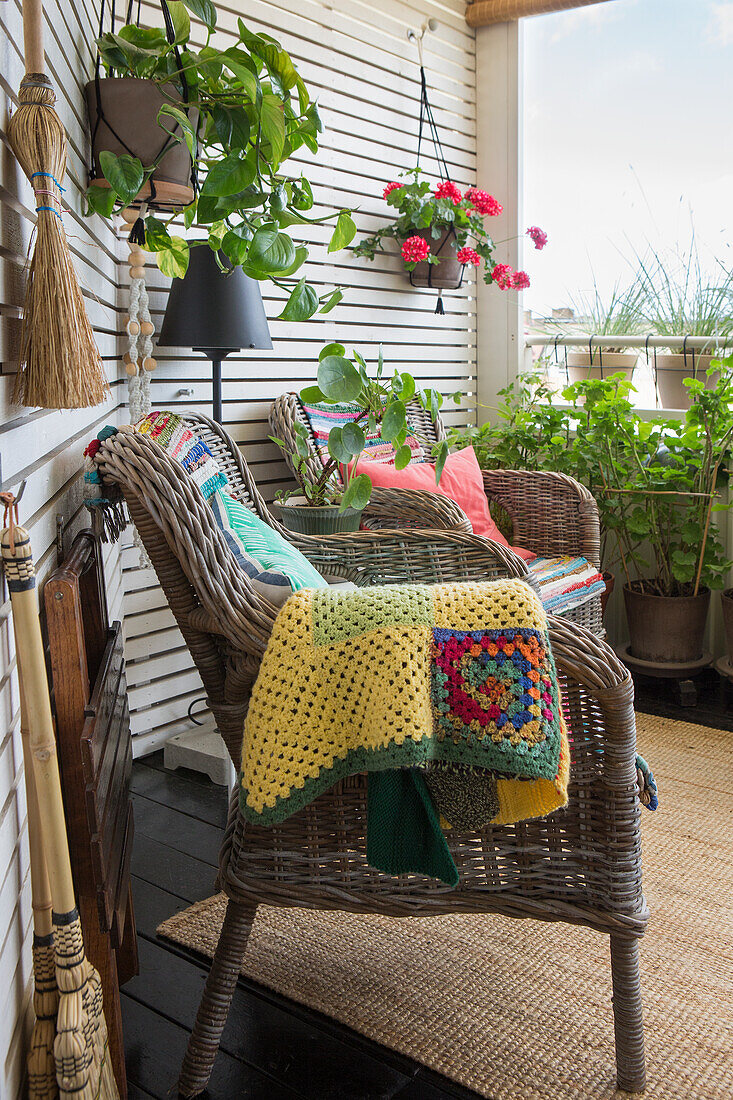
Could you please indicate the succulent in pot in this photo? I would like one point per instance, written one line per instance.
(234, 116)
(334, 497)
(440, 230)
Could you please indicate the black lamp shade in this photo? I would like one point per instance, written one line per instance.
(212, 312)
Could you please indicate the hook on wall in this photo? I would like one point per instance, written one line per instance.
(417, 36)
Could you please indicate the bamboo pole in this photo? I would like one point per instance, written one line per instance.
(83, 1069)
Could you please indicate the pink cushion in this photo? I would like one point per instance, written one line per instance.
(461, 481)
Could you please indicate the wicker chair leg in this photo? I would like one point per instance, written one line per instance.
(627, 1013)
(214, 1008)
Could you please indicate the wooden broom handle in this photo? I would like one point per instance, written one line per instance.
(33, 36)
(20, 575)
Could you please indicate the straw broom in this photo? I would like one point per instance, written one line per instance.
(61, 367)
(83, 1068)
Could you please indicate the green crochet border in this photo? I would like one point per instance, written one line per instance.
(409, 754)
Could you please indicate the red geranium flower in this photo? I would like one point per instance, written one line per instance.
(503, 276)
(415, 249)
(538, 236)
(520, 280)
(468, 255)
(483, 202)
(391, 187)
(448, 190)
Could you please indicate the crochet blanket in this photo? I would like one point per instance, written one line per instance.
(404, 676)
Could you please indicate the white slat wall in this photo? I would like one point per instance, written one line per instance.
(46, 448)
(355, 56)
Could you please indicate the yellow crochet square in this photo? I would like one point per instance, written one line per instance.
(487, 605)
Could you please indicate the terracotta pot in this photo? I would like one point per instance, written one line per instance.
(605, 363)
(448, 274)
(666, 628)
(131, 106)
(726, 599)
(671, 371)
(305, 519)
(610, 582)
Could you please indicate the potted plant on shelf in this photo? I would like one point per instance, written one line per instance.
(681, 299)
(226, 119)
(440, 230)
(620, 315)
(335, 499)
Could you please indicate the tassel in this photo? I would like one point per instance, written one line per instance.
(439, 306)
(137, 233)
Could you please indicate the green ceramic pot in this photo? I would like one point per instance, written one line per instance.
(304, 519)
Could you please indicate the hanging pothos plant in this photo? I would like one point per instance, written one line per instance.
(245, 111)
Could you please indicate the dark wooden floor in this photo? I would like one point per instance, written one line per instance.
(272, 1048)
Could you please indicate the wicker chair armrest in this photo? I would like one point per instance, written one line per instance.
(411, 555)
(552, 513)
(397, 508)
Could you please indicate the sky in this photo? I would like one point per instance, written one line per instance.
(628, 139)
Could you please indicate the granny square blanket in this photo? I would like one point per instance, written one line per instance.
(400, 676)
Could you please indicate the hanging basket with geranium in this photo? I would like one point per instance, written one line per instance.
(441, 230)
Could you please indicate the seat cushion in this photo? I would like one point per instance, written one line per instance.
(322, 418)
(566, 582)
(461, 481)
(275, 568)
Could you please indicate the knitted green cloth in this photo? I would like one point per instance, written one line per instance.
(403, 830)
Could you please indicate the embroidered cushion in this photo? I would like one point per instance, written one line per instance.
(566, 582)
(170, 431)
(461, 480)
(324, 417)
(275, 568)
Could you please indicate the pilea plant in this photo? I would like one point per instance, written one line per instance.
(245, 111)
(380, 402)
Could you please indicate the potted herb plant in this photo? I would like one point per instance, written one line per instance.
(620, 315)
(681, 299)
(440, 230)
(660, 482)
(227, 119)
(335, 499)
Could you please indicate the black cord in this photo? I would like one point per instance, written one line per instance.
(426, 115)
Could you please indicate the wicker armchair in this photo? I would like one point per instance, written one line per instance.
(551, 513)
(581, 865)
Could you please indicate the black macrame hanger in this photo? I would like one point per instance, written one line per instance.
(427, 117)
(137, 232)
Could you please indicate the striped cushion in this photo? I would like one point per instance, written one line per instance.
(566, 582)
(324, 417)
(275, 568)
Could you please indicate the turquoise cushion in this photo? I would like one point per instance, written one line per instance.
(275, 568)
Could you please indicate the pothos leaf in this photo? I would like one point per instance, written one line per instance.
(302, 303)
(344, 232)
(204, 10)
(124, 173)
(173, 261)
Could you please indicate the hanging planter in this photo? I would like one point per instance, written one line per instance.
(123, 117)
(448, 273)
(670, 372)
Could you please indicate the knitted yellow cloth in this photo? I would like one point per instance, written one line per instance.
(397, 676)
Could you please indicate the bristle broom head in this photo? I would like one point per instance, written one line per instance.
(61, 367)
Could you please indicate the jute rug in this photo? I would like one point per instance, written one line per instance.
(520, 1010)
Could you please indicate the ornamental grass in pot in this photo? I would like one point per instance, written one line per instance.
(441, 230)
(335, 499)
(232, 117)
(620, 315)
(681, 299)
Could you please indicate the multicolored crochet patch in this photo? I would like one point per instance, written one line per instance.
(498, 684)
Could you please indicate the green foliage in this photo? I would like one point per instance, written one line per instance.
(657, 482)
(382, 404)
(248, 112)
